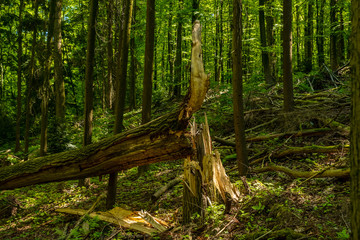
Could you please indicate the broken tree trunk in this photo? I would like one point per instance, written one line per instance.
(162, 139)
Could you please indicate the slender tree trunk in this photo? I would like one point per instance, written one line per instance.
(45, 91)
(109, 86)
(308, 38)
(270, 40)
(148, 67)
(239, 123)
(298, 55)
(333, 39)
(89, 79)
(355, 119)
(264, 52)
(195, 10)
(320, 31)
(19, 71)
(216, 42)
(30, 85)
(178, 59)
(287, 56)
(340, 36)
(170, 51)
(120, 91)
(133, 68)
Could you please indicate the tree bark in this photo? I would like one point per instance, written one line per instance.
(109, 86)
(120, 91)
(19, 71)
(333, 39)
(178, 59)
(45, 90)
(133, 61)
(320, 32)
(89, 78)
(264, 52)
(287, 56)
(148, 68)
(308, 38)
(355, 119)
(239, 122)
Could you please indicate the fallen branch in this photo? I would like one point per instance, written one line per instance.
(166, 187)
(341, 128)
(338, 173)
(309, 149)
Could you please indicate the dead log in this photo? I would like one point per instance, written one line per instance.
(338, 173)
(303, 133)
(310, 149)
(162, 139)
(341, 128)
(165, 188)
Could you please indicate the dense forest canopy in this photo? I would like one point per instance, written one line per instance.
(75, 73)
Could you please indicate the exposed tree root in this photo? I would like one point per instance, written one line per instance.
(338, 173)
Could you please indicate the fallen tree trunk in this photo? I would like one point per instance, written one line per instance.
(304, 133)
(162, 139)
(339, 173)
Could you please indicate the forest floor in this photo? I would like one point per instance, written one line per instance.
(277, 207)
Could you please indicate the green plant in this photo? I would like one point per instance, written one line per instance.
(344, 234)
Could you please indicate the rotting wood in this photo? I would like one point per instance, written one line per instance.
(166, 187)
(338, 173)
(303, 133)
(341, 128)
(162, 139)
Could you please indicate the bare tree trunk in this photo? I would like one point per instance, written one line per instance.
(270, 40)
(89, 79)
(19, 71)
(133, 67)
(264, 52)
(178, 59)
(287, 56)
(120, 91)
(239, 123)
(148, 68)
(333, 39)
(109, 86)
(30, 85)
(355, 119)
(46, 84)
(170, 54)
(308, 38)
(320, 32)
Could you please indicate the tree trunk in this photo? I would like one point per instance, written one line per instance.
(320, 32)
(355, 119)
(195, 10)
(178, 59)
(270, 40)
(89, 78)
(170, 54)
(287, 56)
(340, 36)
(239, 123)
(45, 90)
(120, 91)
(308, 38)
(264, 52)
(30, 85)
(133, 68)
(148, 68)
(19, 71)
(109, 86)
(333, 39)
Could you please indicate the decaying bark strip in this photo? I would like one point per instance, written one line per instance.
(162, 139)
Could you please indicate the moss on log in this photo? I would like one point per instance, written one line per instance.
(338, 173)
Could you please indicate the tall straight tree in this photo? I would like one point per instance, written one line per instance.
(148, 67)
(264, 52)
(133, 67)
(287, 56)
(239, 123)
(19, 70)
(333, 39)
(355, 119)
(178, 58)
(270, 39)
(320, 31)
(109, 89)
(58, 65)
(89, 78)
(120, 92)
(308, 38)
(46, 83)
(30, 83)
